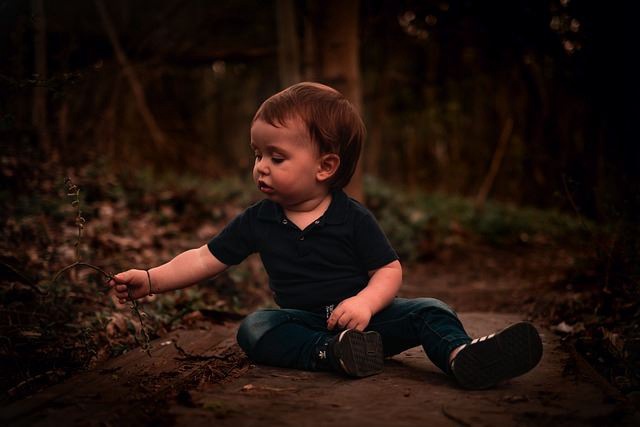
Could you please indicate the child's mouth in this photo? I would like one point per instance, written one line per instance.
(265, 188)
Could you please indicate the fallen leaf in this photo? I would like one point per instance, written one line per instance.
(563, 327)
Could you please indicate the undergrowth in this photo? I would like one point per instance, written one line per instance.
(56, 313)
(419, 224)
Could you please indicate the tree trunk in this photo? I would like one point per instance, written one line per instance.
(288, 43)
(335, 58)
(39, 112)
(158, 137)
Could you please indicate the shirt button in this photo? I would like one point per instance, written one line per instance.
(285, 222)
(301, 237)
(316, 222)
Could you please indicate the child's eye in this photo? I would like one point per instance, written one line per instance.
(277, 160)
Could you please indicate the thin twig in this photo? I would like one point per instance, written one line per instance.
(453, 417)
(81, 264)
(146, 346)
(74, 192)
(573, 204)
(612, 248)
(190, 356)
(23, 278)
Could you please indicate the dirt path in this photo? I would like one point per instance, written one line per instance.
(411, 391)
(205, 379)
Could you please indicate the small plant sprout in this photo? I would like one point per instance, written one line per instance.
(73, 191)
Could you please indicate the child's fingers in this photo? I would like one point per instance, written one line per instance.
(120, 278)
(122, 291)
(360, 326)
(335, 318)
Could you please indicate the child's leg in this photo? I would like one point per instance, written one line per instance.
(488, 360)
(476, 364)
(300, 339)
(285, 338)
(407, 323)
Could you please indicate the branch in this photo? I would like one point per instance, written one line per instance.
(156, 133)
(190, 356)
(80, 264)
(496, 162)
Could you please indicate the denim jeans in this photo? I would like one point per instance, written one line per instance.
(291, 338)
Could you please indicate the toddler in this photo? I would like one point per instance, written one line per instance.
(332, 271)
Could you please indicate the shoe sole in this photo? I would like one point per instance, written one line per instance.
(511, 352)
(360, 353)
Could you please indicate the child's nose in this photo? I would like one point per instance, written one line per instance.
(261, 167)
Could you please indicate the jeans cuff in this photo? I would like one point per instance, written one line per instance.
(452, 346)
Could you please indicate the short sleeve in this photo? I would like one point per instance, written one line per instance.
(235, 242)
(373, 247)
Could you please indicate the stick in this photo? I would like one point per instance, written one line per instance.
(496, 161)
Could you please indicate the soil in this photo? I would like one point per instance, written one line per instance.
(199, 376)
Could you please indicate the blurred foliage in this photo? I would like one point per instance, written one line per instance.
(419, 224)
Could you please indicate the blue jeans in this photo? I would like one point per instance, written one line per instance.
(291, 338)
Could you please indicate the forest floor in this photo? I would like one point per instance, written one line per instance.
(196, 374)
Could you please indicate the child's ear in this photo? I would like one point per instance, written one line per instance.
(328, 166)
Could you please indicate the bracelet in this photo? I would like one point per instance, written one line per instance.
(149, 277)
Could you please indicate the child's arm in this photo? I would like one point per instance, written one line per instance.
(185, 269)
(356, 312)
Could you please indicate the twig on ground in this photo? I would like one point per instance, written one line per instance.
(21, 277)
(190, 356)
(453, 417)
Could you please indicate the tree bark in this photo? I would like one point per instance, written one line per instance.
(335, 58)
(39, 112)
(288, 43)
(158, 137)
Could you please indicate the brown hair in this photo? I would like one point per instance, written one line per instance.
(333, 123)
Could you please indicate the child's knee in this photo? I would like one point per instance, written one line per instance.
(256, 325)
(431, 303)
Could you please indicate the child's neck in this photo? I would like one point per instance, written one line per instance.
(305, 213)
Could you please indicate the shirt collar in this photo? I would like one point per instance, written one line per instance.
(335, 214)
(270, 211)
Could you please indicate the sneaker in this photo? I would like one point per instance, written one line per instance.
(486, 361)
(358, 354)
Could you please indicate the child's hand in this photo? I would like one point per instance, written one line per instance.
(352, 313)
(131, 284)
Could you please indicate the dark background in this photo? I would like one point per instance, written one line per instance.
(440, 81)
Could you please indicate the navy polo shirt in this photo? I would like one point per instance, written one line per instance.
(321, 265)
